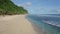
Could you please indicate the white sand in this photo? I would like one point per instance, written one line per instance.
(16, 24)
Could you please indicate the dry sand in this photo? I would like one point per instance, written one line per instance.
(16, 24)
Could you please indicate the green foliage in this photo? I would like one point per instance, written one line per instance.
(7, 7)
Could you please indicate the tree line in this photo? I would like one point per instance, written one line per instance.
(7, 7)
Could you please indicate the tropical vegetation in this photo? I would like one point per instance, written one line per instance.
(7, 7)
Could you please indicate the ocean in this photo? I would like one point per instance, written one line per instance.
(50, 23)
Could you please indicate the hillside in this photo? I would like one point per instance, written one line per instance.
(7, 7)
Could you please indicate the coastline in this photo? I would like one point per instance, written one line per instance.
(16, 24)
(35, 27)
(40, 26)
(38, 29)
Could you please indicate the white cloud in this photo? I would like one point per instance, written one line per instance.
(28, 3)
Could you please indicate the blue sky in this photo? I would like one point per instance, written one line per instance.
(40, 6)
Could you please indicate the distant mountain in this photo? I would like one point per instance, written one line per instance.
(7, 7)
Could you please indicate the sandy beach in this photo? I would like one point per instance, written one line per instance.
(16, 24)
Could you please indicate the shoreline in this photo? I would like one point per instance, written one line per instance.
(36, 28)
(17, 24)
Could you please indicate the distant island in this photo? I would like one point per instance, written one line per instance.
(7, 7)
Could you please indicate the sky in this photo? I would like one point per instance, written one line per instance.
(40, 6)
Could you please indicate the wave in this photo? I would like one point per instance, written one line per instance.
(55, 23)
(49, 19)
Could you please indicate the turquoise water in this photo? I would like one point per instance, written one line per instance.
(48, 28)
